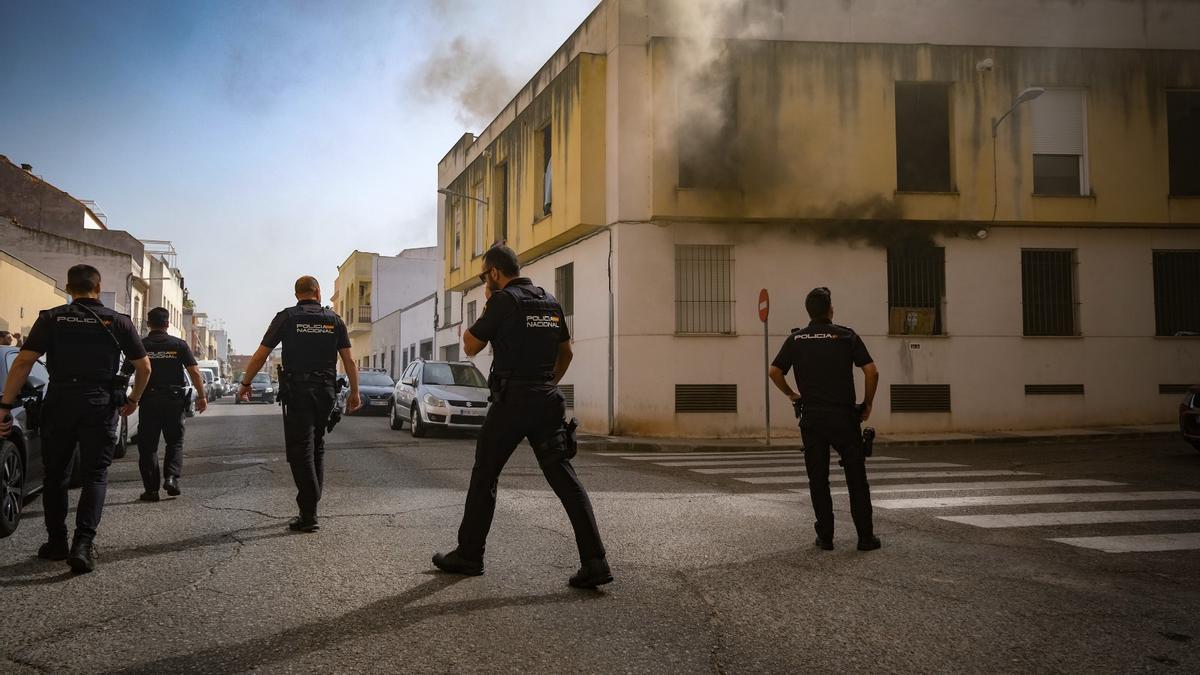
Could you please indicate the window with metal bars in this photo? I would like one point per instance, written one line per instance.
(1048, 294)
(471, 313)
(916, 290)
(564, 291)
(1176, 287)
(704, 301)
(923, 137)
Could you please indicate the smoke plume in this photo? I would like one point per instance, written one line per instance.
(467, 74)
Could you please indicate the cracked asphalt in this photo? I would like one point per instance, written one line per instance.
(711, 575)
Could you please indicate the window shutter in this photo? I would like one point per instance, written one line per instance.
(1058, 122)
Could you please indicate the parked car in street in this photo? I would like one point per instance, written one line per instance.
(21, 452)
(261, 389)
(441, 394)
(1189, 416)
(375, 387)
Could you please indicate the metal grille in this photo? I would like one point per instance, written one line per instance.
(1174, 389)
(1054, 390)
(1048, 292)
(471, 313)
(916, 290)
(1176, 288)
(920, 398)
(690, 398)
(704, 290)
(568, 392)
(564, 291)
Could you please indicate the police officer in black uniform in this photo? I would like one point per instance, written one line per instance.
(83, 343)
(823, 355)
(313, 337)
(164, 405)
(532, 350)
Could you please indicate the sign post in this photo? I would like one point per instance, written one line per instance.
(764, 311)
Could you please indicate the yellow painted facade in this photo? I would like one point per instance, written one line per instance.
(352, 300)
(26, 291)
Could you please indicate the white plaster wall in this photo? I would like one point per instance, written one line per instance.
(400, 281)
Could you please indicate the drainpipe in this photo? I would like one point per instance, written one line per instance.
(612, 416)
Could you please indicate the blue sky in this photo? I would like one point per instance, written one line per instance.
(266, 139)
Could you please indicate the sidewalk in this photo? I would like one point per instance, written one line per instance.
(635, 444)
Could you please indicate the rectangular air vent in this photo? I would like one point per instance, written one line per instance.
(920, 398)
(693, 398)
(1054, 390)
(568, 392)
(1173, 389)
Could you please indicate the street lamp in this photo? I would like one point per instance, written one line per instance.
(1028, 94)
(452, 193)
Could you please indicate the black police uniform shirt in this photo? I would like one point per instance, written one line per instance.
(822, 355)
(170, 358)
(77, 348)
(503, 324)
(313, 344)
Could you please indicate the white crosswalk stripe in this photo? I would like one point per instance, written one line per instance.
(982, 485)
(1057, 498)
(800, 467)
(907, 475)
(1075, 518)
(1138, 543)
(732, 458)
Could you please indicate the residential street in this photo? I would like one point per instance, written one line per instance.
(713, 558)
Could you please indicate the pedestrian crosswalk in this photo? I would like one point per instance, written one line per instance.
(985, 498)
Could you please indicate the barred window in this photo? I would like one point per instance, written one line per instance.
(471, 313)
(1048, 292)
(1176, 285)
(704, 290)
(564, 291)
(916, 290)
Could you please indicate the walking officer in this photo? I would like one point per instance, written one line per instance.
(823, 356)
(164, 405)
(83, 342)
(532, 350)
(313, 337)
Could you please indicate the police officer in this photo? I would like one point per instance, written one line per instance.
(823, 355)
(532, 349)
(164, 404)
(313, 337)
(83, 343)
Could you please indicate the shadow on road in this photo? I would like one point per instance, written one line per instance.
(385, 616)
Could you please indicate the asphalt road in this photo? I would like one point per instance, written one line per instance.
(714, 569)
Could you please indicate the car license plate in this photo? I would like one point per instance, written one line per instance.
(474, 413)
(379, 402)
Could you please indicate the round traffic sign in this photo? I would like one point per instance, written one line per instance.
(764, 305)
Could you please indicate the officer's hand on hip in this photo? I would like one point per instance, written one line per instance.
(244, 393)
(128, 408)
(866, 411)
(201, 405)
(353, 402)
(794, 396)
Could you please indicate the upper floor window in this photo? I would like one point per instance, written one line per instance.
(457, 244)
(923, 137)
(480, 224)
(499, 202)
(545, 147)
(1060, 143)
(1183, 142)
(708, 132)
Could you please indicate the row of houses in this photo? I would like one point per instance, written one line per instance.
(44, 231)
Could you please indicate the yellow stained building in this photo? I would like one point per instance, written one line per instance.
(1007, 211)
(25, 291)
(352, 301)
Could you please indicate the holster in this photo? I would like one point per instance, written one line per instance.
(559, 445)
(119, 390)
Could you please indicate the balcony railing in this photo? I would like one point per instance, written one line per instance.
(364, 314)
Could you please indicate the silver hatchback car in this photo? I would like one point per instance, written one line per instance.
(439, 394)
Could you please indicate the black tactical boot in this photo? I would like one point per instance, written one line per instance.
(822, 543)
(869, 544)
(55, 549)
(149, 496)
(302, 524)
(83, 556)
(454, 563)
(592, 573)
(172, 486)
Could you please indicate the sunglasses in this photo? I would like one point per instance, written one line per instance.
(483, 275)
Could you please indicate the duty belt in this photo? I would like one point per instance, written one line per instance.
(80, 381)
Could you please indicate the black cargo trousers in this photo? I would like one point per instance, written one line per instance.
(534, 412)
(161, 414)
(85, 416)
(840, 428)
(306, 409)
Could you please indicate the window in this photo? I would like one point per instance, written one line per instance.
(426, 349)
(704, 290)
(407, 360)
(480, 213)
(500, 202)
(545, 174)
(392, 369)
(1176, 285)
(923, 137)
(471, 313)
(1060, 143)
(446, 310)
(1048, 292)
(450, 353)
(1183, 142)
(916, 290)
(564, 291)
(458, 225)
(707, 137)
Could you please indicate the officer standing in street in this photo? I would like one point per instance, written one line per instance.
(823, 355)
(83, 342)
(164, 404)
(532, 350)
(313, 337)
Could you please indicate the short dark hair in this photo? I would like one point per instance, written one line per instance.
(504, 259)
(818, 303)
(83, 279)
(307, 285)
(158, 318)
